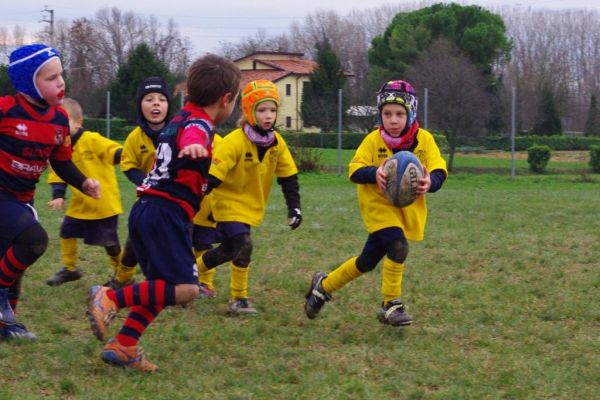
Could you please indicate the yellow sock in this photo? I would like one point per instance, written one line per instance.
(205, 276)
(124, 273)
(341, 276)
(114, 261)
(68, 248)
(238, 281)
(391, 280)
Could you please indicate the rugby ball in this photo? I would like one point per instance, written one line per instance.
(403, 172)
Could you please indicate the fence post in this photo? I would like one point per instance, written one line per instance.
(108, 114)
(425, 109)
(513, 132)
(339, 132)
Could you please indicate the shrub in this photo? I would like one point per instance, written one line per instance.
(595, 158)
(307, 158)
(538, 157)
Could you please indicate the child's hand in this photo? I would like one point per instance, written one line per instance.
(56, 204)
(424, 183)
(381, 176)
(193, 151)
(91, 187)
(294, 218)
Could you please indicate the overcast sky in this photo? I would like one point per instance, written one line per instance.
(207, 23)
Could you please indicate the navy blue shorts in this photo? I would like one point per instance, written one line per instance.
(203, 237)
(229, 229)
(15, 217)
(159, 230)
(98, 232)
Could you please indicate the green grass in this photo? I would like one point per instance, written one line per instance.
(503, 293)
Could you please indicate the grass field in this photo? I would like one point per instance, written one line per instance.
(503, 293)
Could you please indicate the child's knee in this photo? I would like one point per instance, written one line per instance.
(398, 251)
(184, 293)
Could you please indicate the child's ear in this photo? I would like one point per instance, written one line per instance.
(227, 98)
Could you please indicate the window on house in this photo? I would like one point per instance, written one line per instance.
(288, 122)
(288, 89)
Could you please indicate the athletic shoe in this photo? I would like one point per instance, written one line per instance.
(15, 331)
(114, 284)
(101, 310)
(394, 313)
(116, 354)
(316, 296)
(241, 306)
(63, 276)
(7, 314)
(204, 292)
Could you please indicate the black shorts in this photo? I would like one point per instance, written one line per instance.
(98, 232)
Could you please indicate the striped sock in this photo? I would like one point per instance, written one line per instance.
(139, 318)
(146, 293)
(14, 292)
(10, 268)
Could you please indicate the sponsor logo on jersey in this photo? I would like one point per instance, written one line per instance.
(27, 168)
(21, 130)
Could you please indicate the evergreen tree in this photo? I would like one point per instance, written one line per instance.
(6, 87)
(548, 118)
(141, 63)
(320, 95)
(478, 33)
(592, 126)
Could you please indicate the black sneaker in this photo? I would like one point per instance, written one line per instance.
(64, 276)
(316, 296)
(394, 313)
(114, 284)
(241, 307)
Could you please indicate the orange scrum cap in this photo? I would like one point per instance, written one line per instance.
(257, 92)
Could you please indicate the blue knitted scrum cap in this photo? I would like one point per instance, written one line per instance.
(24, 64)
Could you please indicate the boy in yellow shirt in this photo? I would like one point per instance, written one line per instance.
(389, 227)
(153, 98)
(95, 221)
(241, 174)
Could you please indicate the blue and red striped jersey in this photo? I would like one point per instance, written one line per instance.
(181, 180)
(29, 138)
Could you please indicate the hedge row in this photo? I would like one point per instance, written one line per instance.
(522, 143)
(120, 128)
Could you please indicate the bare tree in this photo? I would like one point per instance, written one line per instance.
(458, 101)
(556, 50)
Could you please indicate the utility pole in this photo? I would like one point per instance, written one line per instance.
(49, 21)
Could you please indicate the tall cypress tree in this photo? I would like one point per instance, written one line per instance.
(141, 63)
(320, 96)
(592, 126)
(548, 119)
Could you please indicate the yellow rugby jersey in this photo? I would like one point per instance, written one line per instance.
(246, 181)
(138, 151)
(201, 217)
(376, 210)
(94, 155)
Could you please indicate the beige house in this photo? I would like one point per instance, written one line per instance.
(289, 71)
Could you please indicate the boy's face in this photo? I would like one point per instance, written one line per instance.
(394, 119)
(155, 107)
(50, 82)
(74, 124)
(265, 114)
(227, 104)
